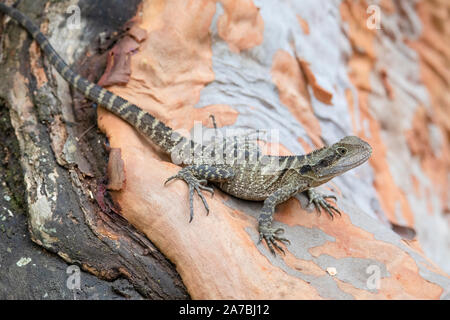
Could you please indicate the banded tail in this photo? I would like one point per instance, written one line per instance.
(144, 122)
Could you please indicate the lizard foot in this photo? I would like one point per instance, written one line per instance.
(194, 185)
(319, 201)
(271, 236)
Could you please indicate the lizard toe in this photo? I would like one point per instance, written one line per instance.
(195, 185)
(319, 202)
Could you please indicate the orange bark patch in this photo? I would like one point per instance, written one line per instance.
(293, 92)
(429, 204)
(137, 33)
(241, 25)
(118, 65)
(305, 145)
(351, 106)
(418, 137)
(387, 86)
(174, 62)
(416, 185)
(393, 199)
(320, 93)
(38, 70)
(274, 149)
(116, 172)
(223, 114)
(304, 24)
(361, 37)
(419, 141)
(360, 67)
(434, 54)
(387, 6)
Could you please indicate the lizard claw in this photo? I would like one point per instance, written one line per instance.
(319, 201)
(270, 236)
(201, 185)
(195, 185)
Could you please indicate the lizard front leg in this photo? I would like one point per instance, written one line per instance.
(266, 232)
(197, 176)
(319, 201)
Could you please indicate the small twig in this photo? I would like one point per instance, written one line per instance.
(84, 132)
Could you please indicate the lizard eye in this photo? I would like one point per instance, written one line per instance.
(342, 151)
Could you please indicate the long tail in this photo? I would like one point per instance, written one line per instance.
(149, 126)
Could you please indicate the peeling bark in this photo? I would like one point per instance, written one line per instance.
(63, 158)
(313, 71)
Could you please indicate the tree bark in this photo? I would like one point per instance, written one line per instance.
(311, 72)
(63, 161)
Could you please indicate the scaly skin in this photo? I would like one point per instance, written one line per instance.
(245, 173)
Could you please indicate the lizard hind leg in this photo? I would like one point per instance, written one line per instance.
(196, 177)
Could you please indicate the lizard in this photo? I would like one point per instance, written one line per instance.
(234, 165)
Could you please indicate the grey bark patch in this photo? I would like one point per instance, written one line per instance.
(354, 271)
(305, 239)
(384, 233)
(325, 285)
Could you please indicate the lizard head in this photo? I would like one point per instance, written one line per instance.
(328, 162)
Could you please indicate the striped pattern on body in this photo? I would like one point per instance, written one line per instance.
(144, 122)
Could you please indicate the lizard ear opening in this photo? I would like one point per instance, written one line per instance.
(305, 168)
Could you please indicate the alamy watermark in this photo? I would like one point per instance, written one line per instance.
(373, 281)
(73, 281)
(227, 147)
(74, 20)
(374, 19)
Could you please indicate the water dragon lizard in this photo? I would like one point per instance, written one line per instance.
(247, 174)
